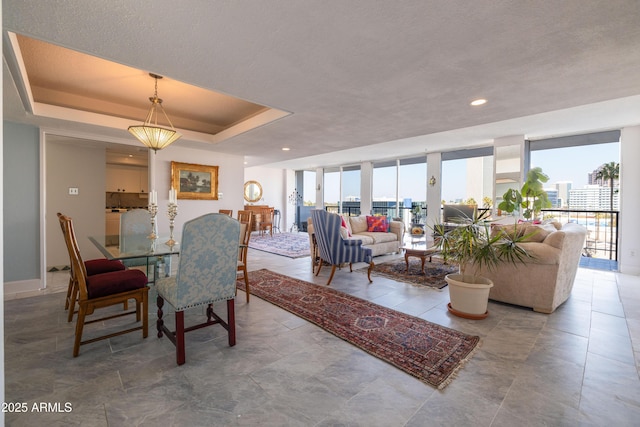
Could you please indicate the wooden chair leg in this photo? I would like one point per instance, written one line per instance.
(82, 311)
(145, 314)
(160, 321)
(231, 321)
(319, 267)
(180, 352)
(333, 270)
(72, 302)
(246, 283)
(369, 272)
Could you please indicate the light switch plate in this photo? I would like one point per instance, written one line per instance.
(73, 191)
(219, 196)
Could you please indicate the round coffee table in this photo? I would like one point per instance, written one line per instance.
(418, 250)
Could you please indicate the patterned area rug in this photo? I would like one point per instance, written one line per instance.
(292, 245)
(433, 275)
(429, 352)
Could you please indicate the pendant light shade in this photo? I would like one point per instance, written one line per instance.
(151, 134)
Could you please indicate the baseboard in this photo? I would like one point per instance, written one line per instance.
(22, 286)
(632, 270)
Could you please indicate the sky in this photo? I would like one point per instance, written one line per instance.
(561, 164)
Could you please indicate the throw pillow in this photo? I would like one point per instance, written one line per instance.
(345, 226)
(514, 231)
(537, 233)
(377, 223)
(358, 224)
(344, 233)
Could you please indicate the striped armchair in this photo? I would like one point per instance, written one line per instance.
(333, 248)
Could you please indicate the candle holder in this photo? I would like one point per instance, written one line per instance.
(153, 210)
(171, 212)
(295, 199)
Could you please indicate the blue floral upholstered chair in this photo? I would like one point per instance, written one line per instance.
(206, 274)
(333, 248)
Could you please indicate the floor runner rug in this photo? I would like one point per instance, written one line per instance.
(433, 275)
(292, 245)
(429, 352)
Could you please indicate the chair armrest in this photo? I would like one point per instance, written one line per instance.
(352, 242)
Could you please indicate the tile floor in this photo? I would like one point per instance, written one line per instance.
(575, 367)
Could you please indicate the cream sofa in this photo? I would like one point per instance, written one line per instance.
(545, 281)
(380, 242)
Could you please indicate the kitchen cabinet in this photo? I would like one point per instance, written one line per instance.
(127, 179)
(112, 227)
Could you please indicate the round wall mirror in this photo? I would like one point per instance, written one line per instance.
(252, 191)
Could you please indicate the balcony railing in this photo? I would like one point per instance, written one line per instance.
(602, 225)
(602, 228)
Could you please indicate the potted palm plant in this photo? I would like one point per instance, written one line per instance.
(470, 244)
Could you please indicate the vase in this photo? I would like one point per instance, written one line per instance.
(469, 295)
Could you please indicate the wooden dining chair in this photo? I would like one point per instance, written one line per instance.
(266, 221)
(245, 236)
(104, 290)
(226, 212)
(245, 216)
(207, 273)
(93, 267)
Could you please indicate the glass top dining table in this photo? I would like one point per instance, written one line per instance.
(112, 247)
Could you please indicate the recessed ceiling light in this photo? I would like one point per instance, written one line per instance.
(477, 102)
(286, 148)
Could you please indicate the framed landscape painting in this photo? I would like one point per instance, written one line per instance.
(191, 181)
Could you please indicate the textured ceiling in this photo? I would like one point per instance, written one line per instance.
(367, 79)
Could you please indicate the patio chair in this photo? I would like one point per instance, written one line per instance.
(207, 273)
(333, 248)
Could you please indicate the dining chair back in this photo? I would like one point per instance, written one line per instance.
(245, 236)
(226, 212)
(104, 290)
(92, 266)
(333, 248)
(207, 273)
(245, 216)
(135, 228)
(266, 221)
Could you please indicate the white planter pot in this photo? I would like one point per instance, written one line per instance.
(469, 298)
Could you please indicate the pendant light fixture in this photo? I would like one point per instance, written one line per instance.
(150, 133)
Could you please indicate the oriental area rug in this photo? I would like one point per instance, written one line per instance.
(396, 269)
(430, 352)
(292, 245)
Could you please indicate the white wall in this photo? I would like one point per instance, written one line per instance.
(83, 167)
(629, 227)
(230, 183)
(276, 184)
